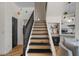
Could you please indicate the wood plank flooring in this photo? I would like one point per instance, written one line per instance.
(17, 51)
(58, 51)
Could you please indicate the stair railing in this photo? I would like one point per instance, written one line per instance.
(27, 32)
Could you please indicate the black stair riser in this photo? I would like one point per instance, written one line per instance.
(39, 43)
(39, 51)
(39, 34)
(39, 30)
(39, 38)
(40, 24)
(39, 27)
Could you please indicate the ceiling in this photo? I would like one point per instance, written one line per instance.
(24, 4)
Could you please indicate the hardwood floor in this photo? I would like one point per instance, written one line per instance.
(17, 51)
(58, 51)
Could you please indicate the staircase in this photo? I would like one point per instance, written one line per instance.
(39, 41)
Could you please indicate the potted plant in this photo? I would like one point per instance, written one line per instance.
(65, 13)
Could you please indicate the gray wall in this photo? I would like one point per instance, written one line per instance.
(77, 21)
(2, 33)
(40, 10)
(7, 10)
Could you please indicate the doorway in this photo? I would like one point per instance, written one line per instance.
(14, 32)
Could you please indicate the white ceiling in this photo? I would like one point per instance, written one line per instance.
(24, 4)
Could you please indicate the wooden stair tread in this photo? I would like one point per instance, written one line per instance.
(39, 29)
(39, 47)
(40, 26)
(39, 40)
(39, 54)
(39, 33)
(39, 36)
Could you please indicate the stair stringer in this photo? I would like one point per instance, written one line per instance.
(50, 40)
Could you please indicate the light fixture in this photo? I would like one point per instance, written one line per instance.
(69, 20)
(38, 19)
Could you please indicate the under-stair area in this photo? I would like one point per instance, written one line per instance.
(39, 42)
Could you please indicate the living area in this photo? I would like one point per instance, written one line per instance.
(64, 29)
(39, 28)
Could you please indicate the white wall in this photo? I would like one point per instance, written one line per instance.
(10, 10)
(54, 11)
(7, 10)
(24, 14)
(21, 19)
(77, 21)
(51, 19)
(2, 26)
